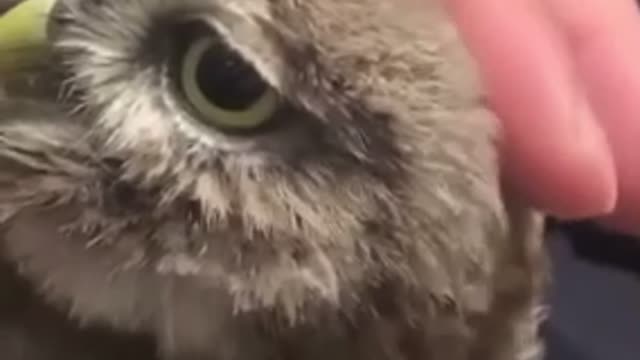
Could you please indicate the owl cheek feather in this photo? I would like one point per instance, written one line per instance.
(83, 282)
(115, 280)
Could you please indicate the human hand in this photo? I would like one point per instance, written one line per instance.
(564, 77)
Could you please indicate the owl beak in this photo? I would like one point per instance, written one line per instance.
(23, 35)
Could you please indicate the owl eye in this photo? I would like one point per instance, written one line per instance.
(225, 90)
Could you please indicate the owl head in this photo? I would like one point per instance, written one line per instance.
(293, 153)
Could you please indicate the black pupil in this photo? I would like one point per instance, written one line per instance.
(227, 80)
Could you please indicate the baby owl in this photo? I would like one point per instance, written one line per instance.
(254, 180)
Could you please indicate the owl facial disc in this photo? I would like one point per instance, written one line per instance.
(23, 34)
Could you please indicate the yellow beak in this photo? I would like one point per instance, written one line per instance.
(23, 35)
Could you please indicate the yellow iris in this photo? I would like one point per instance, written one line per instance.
(257, 112)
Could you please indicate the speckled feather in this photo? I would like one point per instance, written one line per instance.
(371, 225)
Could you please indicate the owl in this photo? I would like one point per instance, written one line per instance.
(255, 180)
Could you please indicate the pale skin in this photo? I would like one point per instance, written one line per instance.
(564, 78)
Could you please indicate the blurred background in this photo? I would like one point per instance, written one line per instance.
(595, 294)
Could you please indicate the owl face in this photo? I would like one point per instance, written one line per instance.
(216, 100)
(310, 147)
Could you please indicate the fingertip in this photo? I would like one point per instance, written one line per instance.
(570, 180)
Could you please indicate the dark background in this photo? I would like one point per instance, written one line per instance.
(595, 295)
